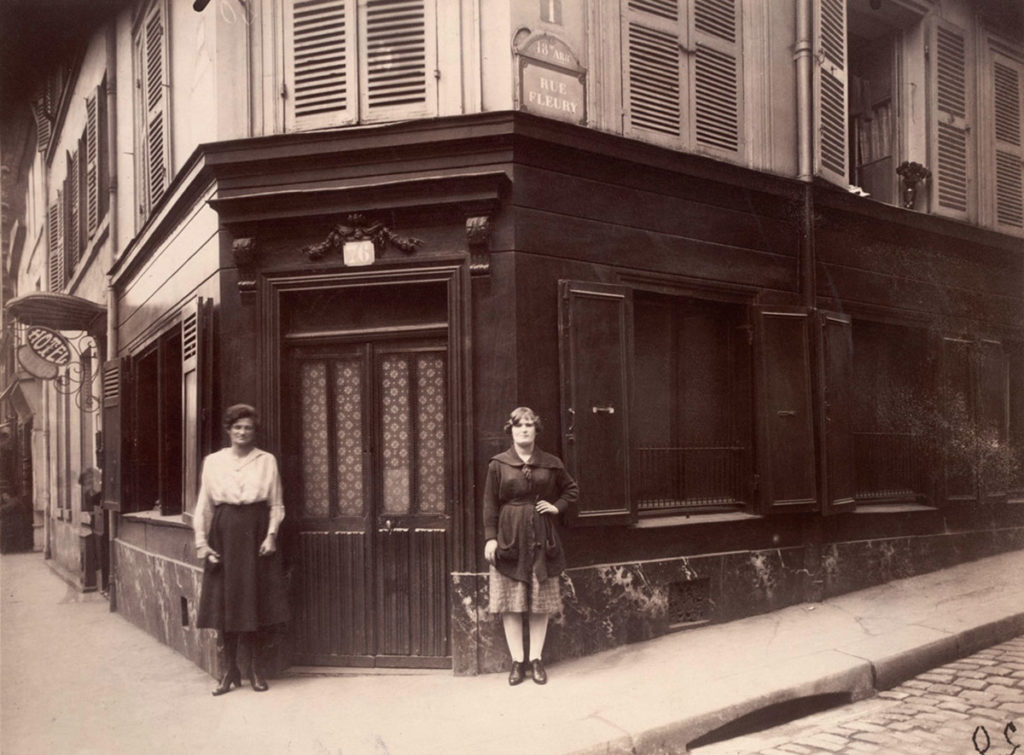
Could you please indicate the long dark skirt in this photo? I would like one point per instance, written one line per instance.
(245, 591)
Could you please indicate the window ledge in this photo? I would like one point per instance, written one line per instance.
(155, 517)
(690, 519)
(891, 508)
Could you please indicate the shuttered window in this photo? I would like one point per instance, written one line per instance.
(348, 62)
(951, 150)
(71, 213)
(683, 73)
(54, 245)
(153, 158)
(92, 151)
(1007, 116)
(830, 92)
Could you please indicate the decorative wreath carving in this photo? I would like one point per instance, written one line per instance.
(358, 228)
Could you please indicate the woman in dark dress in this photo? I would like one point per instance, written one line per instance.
(237, 517)
(525, 491)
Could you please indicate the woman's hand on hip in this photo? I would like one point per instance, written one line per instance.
(269, 545)
(490, 549)
(544, 507)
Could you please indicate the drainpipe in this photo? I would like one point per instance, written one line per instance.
(112, 243)
(812, 534)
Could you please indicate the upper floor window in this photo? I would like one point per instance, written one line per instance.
(349, 61)
(893, 86)
(682, 81)
(152, 109)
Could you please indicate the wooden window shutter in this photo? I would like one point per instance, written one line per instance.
(596, 354)
(397, 59)
(71, 207)
(950, 123)
(43, 124)
(154, 89)
(652, 77)
(830, 93)
(114, 377)
(92, 156)
(716, 92)
(194, 345)
(82, 205)
(836, 411)
(103, 153)
(786, 458)
(1007, 119)
(54, 247)
(320, 64)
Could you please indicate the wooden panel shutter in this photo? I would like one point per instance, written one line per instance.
(595, 341)
(397, 59)
(115, 394)
(831, 160)
(993, 419)
(836, 411)
(155, 88)
(950, 123)
(957, 406)
(786, 457)
(193, 411)
(716, 95)
(55, 249)
(652, 77)
(1007, 119)
(320, 63)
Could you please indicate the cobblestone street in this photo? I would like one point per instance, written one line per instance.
(973, 705)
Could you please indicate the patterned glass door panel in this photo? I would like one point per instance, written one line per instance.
(334, 615)
(412, 572)
(373, 473)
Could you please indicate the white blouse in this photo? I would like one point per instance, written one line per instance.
(227, 479)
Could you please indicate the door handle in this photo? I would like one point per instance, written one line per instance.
(603, 409)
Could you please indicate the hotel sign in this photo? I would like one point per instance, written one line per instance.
(44, 352)
(551, 81)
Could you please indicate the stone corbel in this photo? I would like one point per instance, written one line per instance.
(478, 238)
(244, 250)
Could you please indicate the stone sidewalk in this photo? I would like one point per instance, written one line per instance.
(77, 679)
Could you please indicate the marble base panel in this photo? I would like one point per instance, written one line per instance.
(610, 605)
(151, 592)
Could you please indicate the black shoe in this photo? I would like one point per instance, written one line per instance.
(231, 677)
(540, 676)
(516, 675)
(258, 682)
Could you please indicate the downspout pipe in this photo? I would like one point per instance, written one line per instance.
(803, 55)
(113, 241)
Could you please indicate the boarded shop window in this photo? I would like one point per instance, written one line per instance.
(682, 81)
(349, 61)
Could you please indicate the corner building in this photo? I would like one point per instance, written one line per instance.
(758, 266)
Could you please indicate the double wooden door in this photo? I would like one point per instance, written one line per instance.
(366, 428)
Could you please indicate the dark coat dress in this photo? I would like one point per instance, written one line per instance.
(527, 541)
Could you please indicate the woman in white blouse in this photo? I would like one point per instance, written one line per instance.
(237, 518)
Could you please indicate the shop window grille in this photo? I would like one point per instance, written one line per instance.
(689, 603)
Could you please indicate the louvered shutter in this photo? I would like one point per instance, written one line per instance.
(71, 196)
(92, 153)
(1007, 118)
(54, 248)
(716, 98)
(653, 72)
(103, 180)
(154, 89)
(320, 63)
(950, 125)
(82, 203)
(831, 160)
(43, 125)
(193, 412)
(397, 59)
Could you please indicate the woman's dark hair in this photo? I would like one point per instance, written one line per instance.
(522, 414)
(240, 411)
